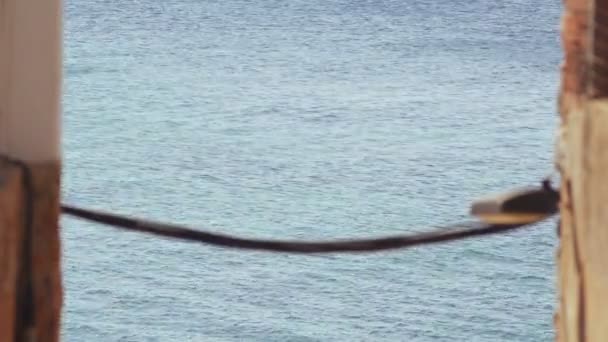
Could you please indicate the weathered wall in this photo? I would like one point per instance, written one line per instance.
(583, 162)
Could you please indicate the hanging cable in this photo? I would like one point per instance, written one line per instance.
(503, 213)
(444, 234)
(498, 214)
(24, 308)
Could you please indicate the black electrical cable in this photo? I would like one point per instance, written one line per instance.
(541, 202)
(25, 317)
(444, 234)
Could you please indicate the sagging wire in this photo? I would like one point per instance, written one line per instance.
(497, 214)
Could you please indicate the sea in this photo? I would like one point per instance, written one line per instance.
(312, 120)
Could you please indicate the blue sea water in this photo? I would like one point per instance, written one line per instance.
(306, 119)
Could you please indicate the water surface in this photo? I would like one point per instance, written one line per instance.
(306, 119)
